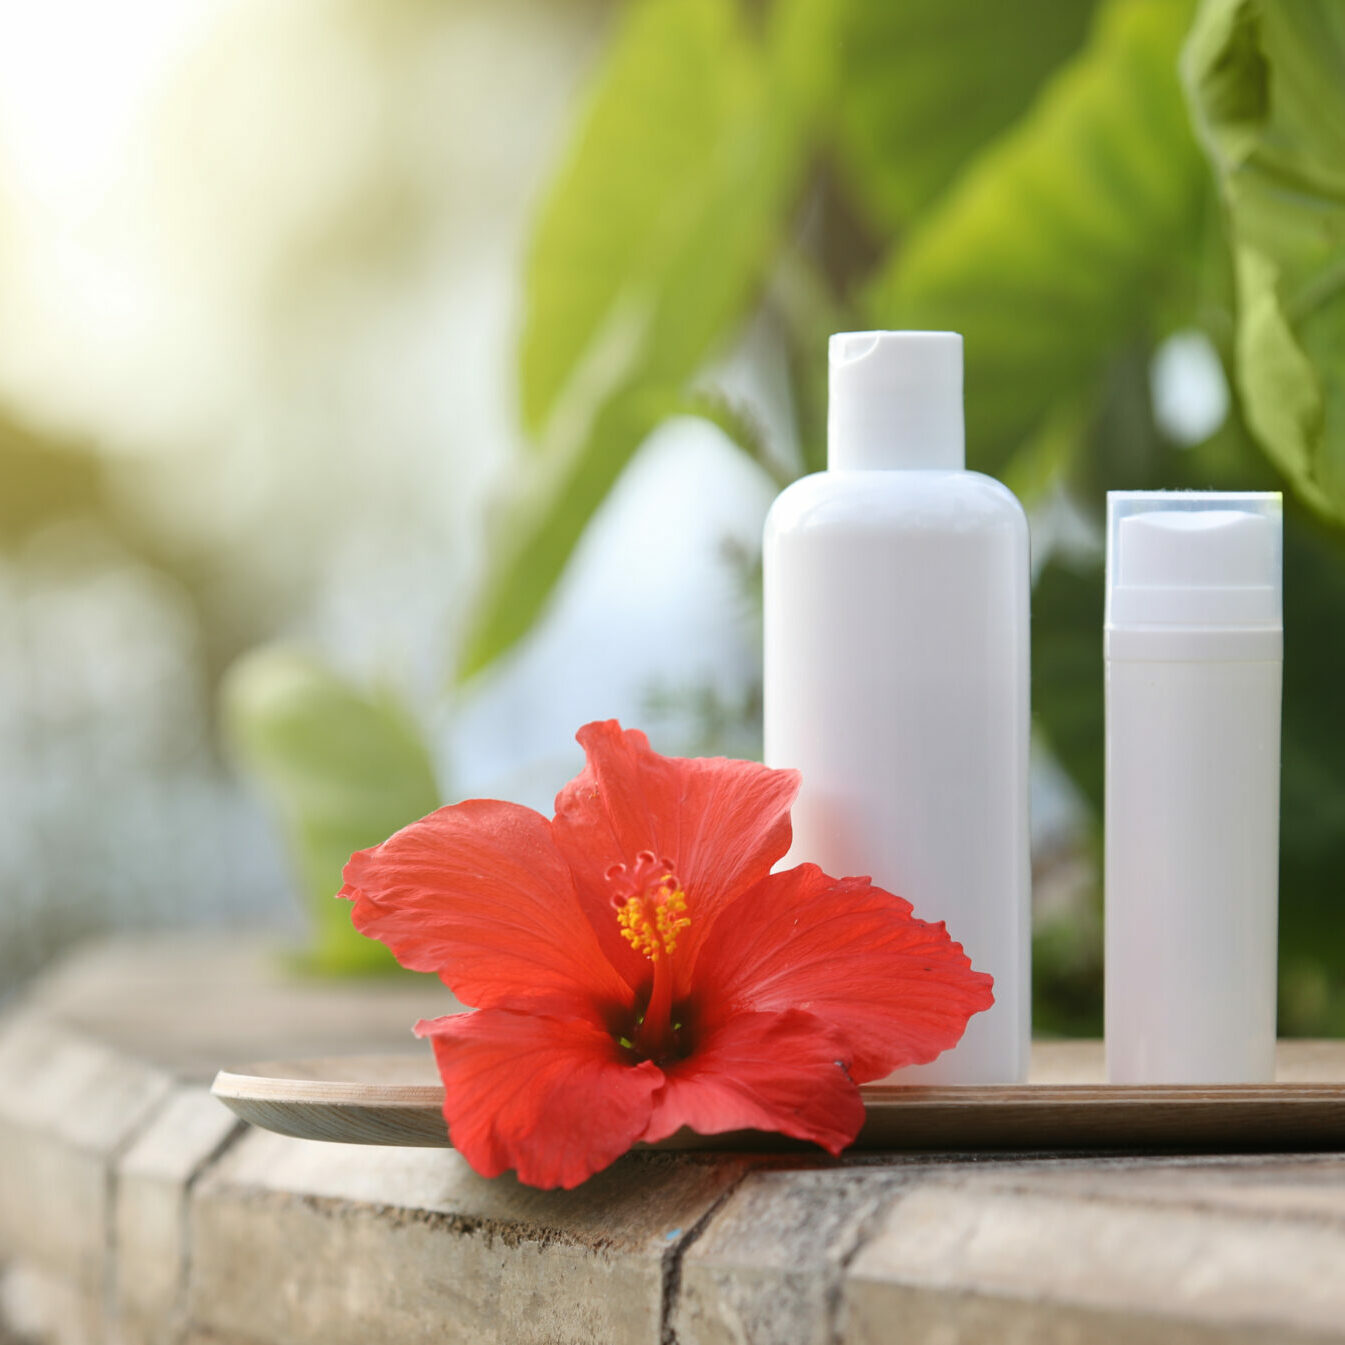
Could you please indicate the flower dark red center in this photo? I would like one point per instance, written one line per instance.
(650, 906)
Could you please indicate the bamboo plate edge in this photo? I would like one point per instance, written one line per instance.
(1225, 1117)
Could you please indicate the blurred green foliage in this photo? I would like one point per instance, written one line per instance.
(1065, 183)
(1063, 238)
(1049, 222)
(1267, 85)
(344, 768)
(918, 92)
(643, 268)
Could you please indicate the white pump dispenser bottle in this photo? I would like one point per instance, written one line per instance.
(896, 671)
(1194, 642)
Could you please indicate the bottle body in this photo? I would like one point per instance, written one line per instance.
(1194, 645)
(896, 681)
(1192, 858)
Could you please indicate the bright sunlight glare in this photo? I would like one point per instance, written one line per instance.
(60, 134)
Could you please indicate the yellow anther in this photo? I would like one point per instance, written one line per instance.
(670, 919)
(651, 921)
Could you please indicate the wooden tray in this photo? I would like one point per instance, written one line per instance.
(396, 1100)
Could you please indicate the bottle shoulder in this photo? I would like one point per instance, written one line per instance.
(881, 501)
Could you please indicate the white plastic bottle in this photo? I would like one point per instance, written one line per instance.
(1194, 642)
(896, 671)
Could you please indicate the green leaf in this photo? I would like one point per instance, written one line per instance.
(1267, 90)
(662, 217)
(343, 769)
(539, 526)
(928, 82)
(1063, 237)
(651, 246)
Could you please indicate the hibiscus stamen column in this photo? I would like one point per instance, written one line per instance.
(651, 910)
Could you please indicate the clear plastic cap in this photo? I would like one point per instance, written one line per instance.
(895, 401)
(1194, 560)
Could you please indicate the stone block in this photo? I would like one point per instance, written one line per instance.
(923, 1317)
(301, 1243)
(39, 1308)
(153, 1179)
(68, 1107)
(767, 1267)
(196, 1337)
(1065, 1252)
(1275, 1185)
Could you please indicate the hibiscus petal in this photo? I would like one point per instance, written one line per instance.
(763, 1071)
(478, 893)
(721, 823)
(555, 1099)
(899, 990)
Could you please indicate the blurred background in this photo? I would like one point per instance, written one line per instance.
(387, 387)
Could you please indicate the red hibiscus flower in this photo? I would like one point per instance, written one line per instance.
(636, 967)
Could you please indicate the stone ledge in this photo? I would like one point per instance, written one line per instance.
(155, 1178)
(769, 1265)
(134, 1210)
(1214, 1247)
(345, 1245)
(69, 1107)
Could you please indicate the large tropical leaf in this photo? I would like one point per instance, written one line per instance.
(928, 82)
(645, 163)
(1065, 236)
(344, 770)
(1267, 89)
(651, 246)
(539, 524)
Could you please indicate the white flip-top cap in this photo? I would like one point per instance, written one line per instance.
(895, 401)
(1195, 561)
